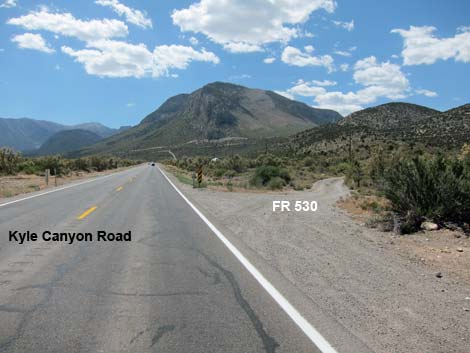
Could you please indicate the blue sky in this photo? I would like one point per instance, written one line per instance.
(114, 61)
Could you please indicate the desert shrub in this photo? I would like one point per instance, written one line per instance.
(219, 172)
(276, 183)
(308, 162)
(236, 163)
(28, 167)
(9, 161)
(354, 174)
(434, 188)
(264, 174)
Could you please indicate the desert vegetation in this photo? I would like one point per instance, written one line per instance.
(12, 163)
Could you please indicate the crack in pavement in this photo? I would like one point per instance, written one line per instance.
(269, 343)
(61, 270)
(214, 276)
(161, 332)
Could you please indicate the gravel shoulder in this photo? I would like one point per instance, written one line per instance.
(389, 299)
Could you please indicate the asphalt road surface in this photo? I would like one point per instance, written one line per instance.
(175, 287)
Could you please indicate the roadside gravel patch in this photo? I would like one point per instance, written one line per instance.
(391, 303)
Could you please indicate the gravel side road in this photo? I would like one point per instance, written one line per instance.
(346, 272)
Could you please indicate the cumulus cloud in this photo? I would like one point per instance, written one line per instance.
(378, 80)
(349, 26)
(344, 67)
(269, 60)
(136, 17)
(295, 57)
(109, 58)
(67, 25)
(252, 23)
(242, 47)
(9, 4)
(421, 46)
(178, 57)
(32, 41)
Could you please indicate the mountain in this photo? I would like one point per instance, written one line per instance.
(96, 128)
(26, 134)
(218, 111)
(67, 140)
(388, 116)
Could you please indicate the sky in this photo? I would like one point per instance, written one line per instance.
(115, 61)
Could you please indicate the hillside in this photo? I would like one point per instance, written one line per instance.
(66, 141)
(389, 125)
(26, 134)
(216, 111)
(388, 116)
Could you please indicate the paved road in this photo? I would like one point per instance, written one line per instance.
(174, 288)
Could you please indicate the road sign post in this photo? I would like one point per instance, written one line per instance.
(199, 176)
(46, 175)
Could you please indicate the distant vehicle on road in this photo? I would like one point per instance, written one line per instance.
(153, 164)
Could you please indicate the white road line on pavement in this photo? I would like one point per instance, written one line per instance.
(59, 189)
(318, 340)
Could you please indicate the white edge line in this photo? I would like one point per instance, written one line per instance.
(322, 344)
(59, 189)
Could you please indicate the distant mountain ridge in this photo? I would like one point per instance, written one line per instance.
(66, 141)
(26, 134)
(218, 110)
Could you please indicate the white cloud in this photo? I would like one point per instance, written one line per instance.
(342, 53)
(386, 76)
(426, 92)
(108, 58)
(422, 47)
(349, 26)
(305, 89)
(67, 25)
(133, 16)
(9, 4)
(32, 41)
(295, 57)
(269, 60)
(378, 80)
(242, 47)
(344, 67)
(130, 104)
(252, 23)
(193, 41)
(178, 57)
(324, 83)
(309, 48)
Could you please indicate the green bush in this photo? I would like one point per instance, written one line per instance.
(276, 183)
(265, 173)
(434, 188)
